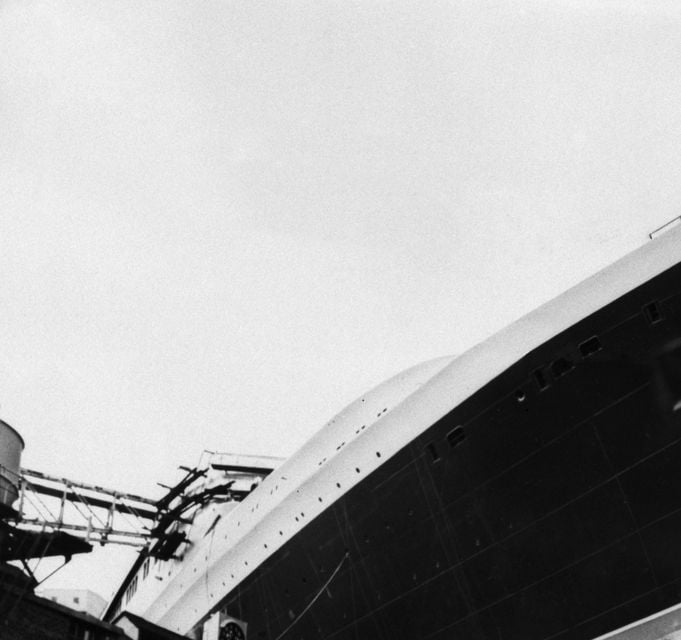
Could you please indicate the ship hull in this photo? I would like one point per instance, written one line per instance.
(546, 505)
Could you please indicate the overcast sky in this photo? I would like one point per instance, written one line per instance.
(220, 222)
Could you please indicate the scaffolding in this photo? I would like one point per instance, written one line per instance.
(61, 516)
(93, 513)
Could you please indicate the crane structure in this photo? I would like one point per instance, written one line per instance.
(55, 516)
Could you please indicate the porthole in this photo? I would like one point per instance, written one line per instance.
(435, 456)
(456, 436)
(590, 346)
(561, 366)
(652, 313)
(540, 379)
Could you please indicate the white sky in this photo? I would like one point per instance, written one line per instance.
(220, 222)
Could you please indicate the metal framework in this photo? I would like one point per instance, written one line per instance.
(60, 516)
(93, 513)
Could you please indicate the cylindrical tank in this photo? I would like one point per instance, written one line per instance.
(11, 446)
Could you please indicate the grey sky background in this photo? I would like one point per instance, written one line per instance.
(223, 221)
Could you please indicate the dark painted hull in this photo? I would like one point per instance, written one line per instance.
(551, 513)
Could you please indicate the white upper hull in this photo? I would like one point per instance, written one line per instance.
(359, 440)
